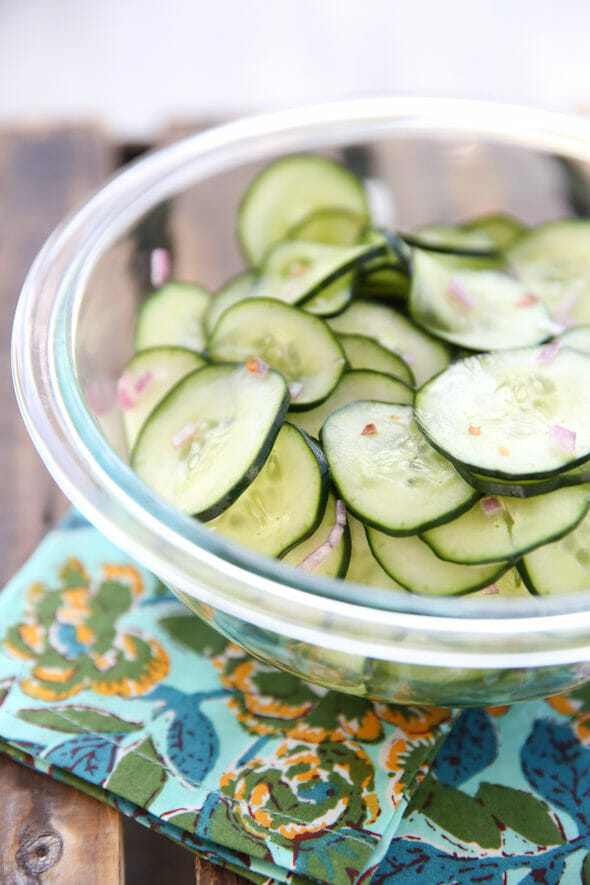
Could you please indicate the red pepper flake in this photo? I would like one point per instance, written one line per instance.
(369, 430)
(503, 450)
(256, 366)
(297, 269)
(527, 300)
(394, 416)
(474, 430)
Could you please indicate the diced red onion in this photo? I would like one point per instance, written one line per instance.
(490, 504)
(491, 590)
(144, 381)
(160, 267)
(458, 290)
(295, 389)
(563, 437)
(548, 353)
(101, 395)
(408, 358)
(183, 435)
(125, 389)
(527, 300)
(321, 553)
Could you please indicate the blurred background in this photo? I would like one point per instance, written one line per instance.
(136, 65)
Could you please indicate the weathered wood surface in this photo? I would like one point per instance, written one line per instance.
(51, 833)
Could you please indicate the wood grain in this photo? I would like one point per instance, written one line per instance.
(43, 176)
(54, 835)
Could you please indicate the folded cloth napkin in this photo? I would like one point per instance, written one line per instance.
(109, 683)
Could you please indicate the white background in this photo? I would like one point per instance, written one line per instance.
(135, 65)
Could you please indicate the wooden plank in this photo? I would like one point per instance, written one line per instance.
(53, 834)
(209, 874)
(43, 176)
(48, 830)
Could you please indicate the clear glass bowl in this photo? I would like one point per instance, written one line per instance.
(426, 160)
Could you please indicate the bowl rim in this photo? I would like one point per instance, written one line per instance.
(183, 553)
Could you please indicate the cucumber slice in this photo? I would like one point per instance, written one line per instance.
(387, 473)
(502, 229)
(498, 528)
(553, 261)
(331, 299)
(453, 239)
(173, 316)
(363, 352)
(560, 567)
(578, 337)
(363, 568)
(147, 377)
(512, 413)
(210, 436)
(383, 281)
(354, 385)
(480, 309)
(335, 564)
(526, 488)
(286, 500)
(425, 355)
(288, 191)
(416, 567)
(294, 271)
(293, 342)
(236, 289)
(510, 584)
(334, 227)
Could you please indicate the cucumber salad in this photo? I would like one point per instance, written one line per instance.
(406, 409)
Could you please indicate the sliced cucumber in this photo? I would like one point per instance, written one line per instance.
(553, 261)
(560, 567)
(577, 337)
(333, 298)
(293, 342)
(173, 316)
(147, 377)
(210, 436)
(412, 563)
(354, 385)
(335, 227)
(366, 353)
(285, 502)
(526, 488)
(294, 271)
(288, 191)
(236, 289)
(387, 473)
(502, 229)
(425, 355)
(498, 528)
(511, 413)
(453, 239)
(363, 568)
(335, 563)
(480, 309)
(510, 584)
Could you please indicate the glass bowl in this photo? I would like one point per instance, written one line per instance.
(425, 160)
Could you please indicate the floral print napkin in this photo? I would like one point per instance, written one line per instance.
(109, 683)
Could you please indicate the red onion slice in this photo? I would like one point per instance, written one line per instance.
(548, 352)
(457, 290)
(183, 435)
(321, 553)
(563, 437)
(491, 504)
(160, 267)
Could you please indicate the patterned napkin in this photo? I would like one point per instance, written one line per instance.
(108, 683)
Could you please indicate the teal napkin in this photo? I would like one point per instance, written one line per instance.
(107, 682)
